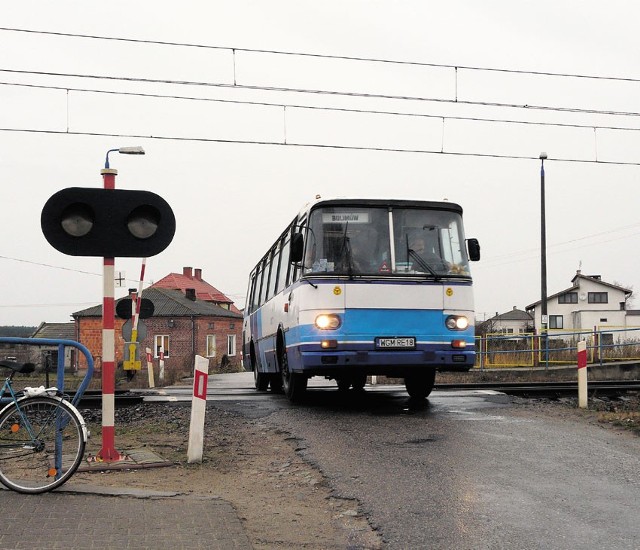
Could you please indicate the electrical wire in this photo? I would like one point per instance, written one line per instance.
(321, 108)
(325, 56)
(333, 93)
(323, 146)
(31, 262)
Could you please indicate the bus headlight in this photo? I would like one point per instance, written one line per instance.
(456, 322)
(328, 321)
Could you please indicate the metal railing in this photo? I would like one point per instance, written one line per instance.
(61, 344)
(557, 347)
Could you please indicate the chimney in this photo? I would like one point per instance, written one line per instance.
(198, 274)
(186, 271)
(190, 293)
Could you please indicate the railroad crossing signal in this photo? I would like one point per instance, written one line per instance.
(124, 308)
(111, 223)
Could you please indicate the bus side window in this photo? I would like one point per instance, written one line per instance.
(250, 293)
(265, 280)
(284, 265)
(275, 270)
(258, 292)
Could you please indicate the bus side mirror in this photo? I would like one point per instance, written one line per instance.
(473, 246)
(297, 248)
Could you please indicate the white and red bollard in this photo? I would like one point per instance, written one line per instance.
(198, 409)
(582, 374)
(150, 368)
(161, 365)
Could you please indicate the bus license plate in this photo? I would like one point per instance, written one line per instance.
(399, 342)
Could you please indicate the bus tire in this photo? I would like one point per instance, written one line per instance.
(294, 385)
(419, 386)
(260, 379)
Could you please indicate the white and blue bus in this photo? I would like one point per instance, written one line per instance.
(358, 287)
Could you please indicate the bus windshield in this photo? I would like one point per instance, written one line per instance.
(351, 241)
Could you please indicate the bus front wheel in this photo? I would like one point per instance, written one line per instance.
(419, 386)
(294, 385)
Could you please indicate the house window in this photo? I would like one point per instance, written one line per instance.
(231, 345)
(211, 325)
(161, 340)
(568, 298)
(555, 321)
(211, 345)
(598, 297)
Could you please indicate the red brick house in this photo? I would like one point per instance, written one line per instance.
(183, 323)
(191, 281)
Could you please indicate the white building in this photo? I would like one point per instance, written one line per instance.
(590, 303)
(515, 321)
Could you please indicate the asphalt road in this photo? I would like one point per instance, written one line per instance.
(466, 470)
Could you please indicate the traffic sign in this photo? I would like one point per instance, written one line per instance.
(127, 331)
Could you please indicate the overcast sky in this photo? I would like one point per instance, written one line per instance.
(428, 131)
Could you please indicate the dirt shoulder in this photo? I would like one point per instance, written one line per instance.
(283, 501)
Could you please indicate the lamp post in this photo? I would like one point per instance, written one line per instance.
(544, 319)
(108, 451)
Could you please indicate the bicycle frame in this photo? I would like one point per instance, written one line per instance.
(14, 399)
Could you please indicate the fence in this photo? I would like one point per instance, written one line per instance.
(557, 347)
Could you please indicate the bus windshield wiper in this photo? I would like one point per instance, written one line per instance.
(422, 264)
(411, 253)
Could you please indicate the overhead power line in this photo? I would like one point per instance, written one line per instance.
(334, 93)
(323, 108)
(322, 146)
(325, 56)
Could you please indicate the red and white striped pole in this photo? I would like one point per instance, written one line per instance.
(108, 452)
(136, 315)
(582, 374)
(161, 365)
(152, 384)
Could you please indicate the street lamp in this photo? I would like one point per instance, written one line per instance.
(544, 319)
(136, 150)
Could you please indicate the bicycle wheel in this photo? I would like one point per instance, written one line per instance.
(41, 444)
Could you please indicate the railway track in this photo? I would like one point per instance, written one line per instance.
(549, 389)
(93, 399)
(124, 398)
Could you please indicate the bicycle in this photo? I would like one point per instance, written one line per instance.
(42, 436)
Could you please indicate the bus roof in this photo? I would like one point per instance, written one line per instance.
(378, 202)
